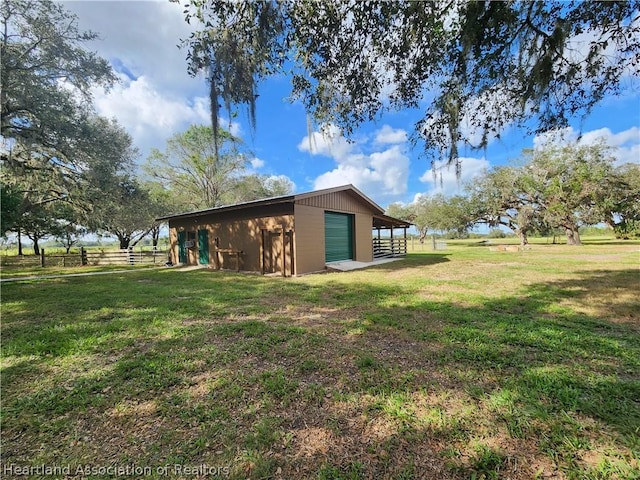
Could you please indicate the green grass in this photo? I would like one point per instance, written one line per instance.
(464, 363)
(37, 271)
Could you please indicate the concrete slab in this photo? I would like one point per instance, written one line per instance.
(348, 265)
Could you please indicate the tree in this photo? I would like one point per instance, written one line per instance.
(160, 204)
(569, 184)
(404, 212)
(435, 213)
(620, 209)
(191, 169)
(255, 187)
(69, 229)
(37, 224)
(126, 212)
(57, 154)
(10, 204)
(497, 198)
(482, 65)
(64, 206)
(46, 77)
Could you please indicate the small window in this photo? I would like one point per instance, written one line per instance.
(191, 235)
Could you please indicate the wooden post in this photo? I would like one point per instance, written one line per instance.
(216, 246)
(405, 240)
(42, 257)
(393, 247)
(262, 251)
(291, 269)
(284, 252)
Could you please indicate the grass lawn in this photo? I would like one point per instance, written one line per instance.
(37, 271)
(456, 364)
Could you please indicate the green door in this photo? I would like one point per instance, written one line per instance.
(203, 247)
(338, 236)
(182, 250)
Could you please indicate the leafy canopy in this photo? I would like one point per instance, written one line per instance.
(46, 76)
(195, 174)
(478, 66)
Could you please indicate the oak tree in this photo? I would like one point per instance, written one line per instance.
(479, 66)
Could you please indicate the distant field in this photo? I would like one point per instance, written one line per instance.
(455, 364)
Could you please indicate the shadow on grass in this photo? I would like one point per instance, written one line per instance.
(534, 365)
(414, 260)
(605, 241)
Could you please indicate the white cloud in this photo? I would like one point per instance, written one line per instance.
(329, 142)
(384, 176)
(446, 181)
(389, 135)
(156, 97)
(257, 163)
(144, 38)
(383, 173)
(149, 115)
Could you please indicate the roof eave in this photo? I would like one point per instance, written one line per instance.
(230, 208)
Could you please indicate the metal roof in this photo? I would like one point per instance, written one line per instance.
(277, 200)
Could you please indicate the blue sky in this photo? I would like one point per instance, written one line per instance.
(156, 98)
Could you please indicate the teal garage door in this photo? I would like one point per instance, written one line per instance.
(338, 236)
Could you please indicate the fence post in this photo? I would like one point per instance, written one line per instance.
(83, 258)
(42, 257)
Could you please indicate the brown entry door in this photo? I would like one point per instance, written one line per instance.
(273, 252)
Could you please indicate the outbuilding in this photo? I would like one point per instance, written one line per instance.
(288, 235)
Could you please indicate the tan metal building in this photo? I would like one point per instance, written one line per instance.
(288, 235)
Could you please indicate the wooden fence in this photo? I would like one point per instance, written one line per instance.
(389, 247)
(124, 257)
(86, 257)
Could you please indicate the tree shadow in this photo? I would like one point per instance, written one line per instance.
(606, 241)
(336, 354)
(414, 260)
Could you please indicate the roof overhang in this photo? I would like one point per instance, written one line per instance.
(230, 208)
(385, 221)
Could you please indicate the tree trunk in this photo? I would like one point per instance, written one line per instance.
(68, 242)
(19, 243)
(36, 247)
(573, 236)
(124, 241)
(155, 237)
(523, 238)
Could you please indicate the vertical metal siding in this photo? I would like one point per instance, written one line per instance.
(336, 201)
(309, 239)
(363, 238)
(240, 234)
